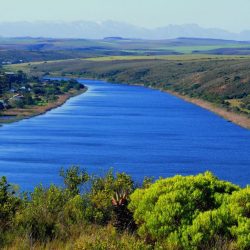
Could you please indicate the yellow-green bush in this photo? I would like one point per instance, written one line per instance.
(167, 209)
(239, 209)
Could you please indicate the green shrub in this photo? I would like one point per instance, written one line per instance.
(9, 204)
(40, 218)
(239, 208)
(231, 221)
(165, 209)
(207, 229)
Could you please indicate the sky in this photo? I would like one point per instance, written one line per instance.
(232, 15)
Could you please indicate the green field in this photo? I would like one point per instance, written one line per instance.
(185, 57)
(44, 49)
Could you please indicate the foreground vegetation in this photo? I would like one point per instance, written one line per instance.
(112, 212)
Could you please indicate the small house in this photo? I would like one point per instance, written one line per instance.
(16, 97)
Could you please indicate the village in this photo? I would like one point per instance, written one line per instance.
(12, 89)
(17, 90)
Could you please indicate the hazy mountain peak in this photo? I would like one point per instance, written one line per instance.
(109, 28)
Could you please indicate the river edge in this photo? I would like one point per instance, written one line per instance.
(230, 116)
(39, 110)
(238, 119)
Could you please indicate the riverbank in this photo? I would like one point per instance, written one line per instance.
(17, 114)
(238, 119)
(231, 116)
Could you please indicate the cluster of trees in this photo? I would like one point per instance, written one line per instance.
(9, 80)
(112, 212)
(17, 90)
(45, 91)
(246, 103)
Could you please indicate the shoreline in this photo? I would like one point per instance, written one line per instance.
(230, 116)
(33, 111)
(238, 119)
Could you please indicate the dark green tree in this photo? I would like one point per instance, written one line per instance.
(9, 204)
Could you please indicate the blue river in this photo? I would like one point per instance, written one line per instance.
(141, 131)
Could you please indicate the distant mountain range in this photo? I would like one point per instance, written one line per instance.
(94, 30)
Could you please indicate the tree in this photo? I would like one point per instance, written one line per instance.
(28, 100)
(41, 215)
(9, 204)
(73, 178)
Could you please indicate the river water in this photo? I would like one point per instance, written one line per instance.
(141, 131)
